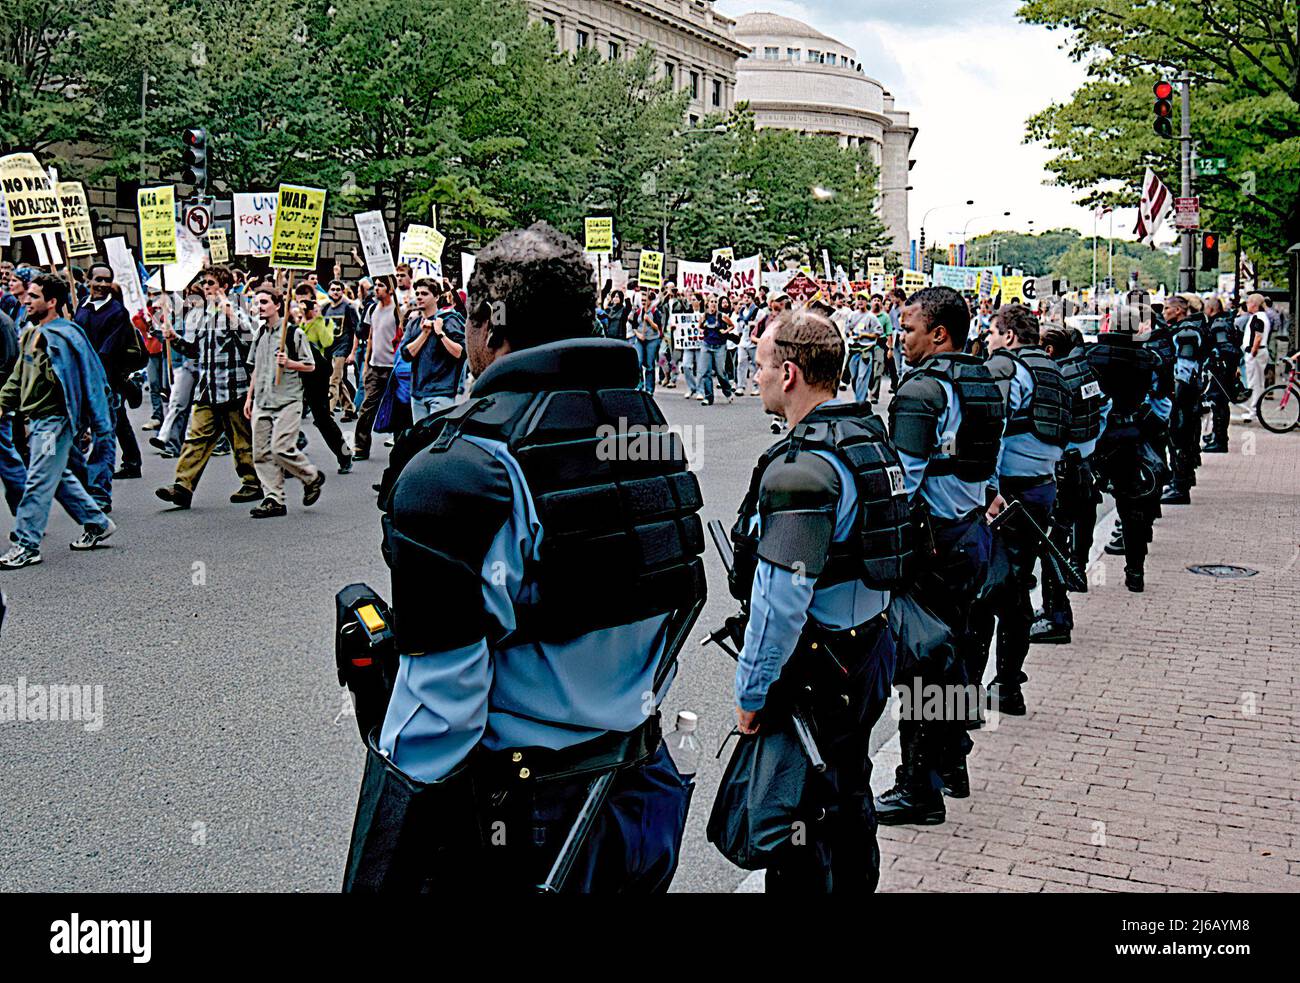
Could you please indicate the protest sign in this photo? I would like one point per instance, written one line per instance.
(698, 277)
(599, 235)
(745, 273)
(776, 281)
(125, 274)
(466, 269)
(650, 271)
(30, 197)
(254, 223)
(218, 246)
(374, 243)
(1013, 290)
(191, 257)
(686, 332)
(802, 286)
(5, 235)
(913, 280)
(78, 233)
(987, 279)
(420, 247)
(157, 211)
(299, 213)
(875, 266)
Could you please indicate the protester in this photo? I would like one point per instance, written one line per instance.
(381, 330)
(316, 384)
(646, 338)
(434, 340)
(343, 319)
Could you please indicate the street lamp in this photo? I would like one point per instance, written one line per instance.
(926, 216)
(965, 228)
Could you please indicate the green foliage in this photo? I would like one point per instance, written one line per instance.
(1244, 62)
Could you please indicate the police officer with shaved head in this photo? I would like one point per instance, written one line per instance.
(820, 541)
(544, 576)
(946, 421)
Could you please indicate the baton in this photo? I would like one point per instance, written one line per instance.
(1052, 555)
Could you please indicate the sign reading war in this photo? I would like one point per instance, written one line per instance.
(298, 219)
(157, 208)
(30, 197)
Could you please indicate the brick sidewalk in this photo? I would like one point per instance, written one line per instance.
(1162, 749)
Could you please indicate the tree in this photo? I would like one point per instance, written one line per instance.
(1244, 61)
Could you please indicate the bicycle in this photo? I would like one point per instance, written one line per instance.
(1278, 410)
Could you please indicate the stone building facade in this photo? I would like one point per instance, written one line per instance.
(795, 77)
(694, 44)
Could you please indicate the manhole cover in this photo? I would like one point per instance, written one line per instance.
(1224, 571)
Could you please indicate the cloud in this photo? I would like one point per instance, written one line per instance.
(970, 74)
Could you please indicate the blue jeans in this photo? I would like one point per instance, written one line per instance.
(103, 460)
(422, 406)
(647, 353)
(714, 361)
(155, 369)
(860, 366)
(13, 473)
(691, 370)
(48, 472)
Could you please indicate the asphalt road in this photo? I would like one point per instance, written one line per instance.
(226, 759)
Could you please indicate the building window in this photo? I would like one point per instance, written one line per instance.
(792, 54)
(584, 39)
(670, 73)
(695, 120)
(772, 54)
(717, 93)
(613, 51)
(695, 85)
(814, 56)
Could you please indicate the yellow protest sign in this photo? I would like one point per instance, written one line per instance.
(913, 280)
(1013, 290)
(218, 247)
(421, 248)
(157, 209)
(78, 233)
(30, 197)
(650, 272)
(600, 235)
(875, 266)
(299, 214)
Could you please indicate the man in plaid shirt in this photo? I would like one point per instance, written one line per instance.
(222, 335)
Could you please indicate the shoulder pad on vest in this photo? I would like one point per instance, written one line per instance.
(796, 505)
(914, 413)
(1002, 364)
(444, 512)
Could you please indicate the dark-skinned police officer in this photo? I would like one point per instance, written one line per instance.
(1187, 327)
(1128, 461)
(1037, 431)
(1075, 515)
(1223, 366)
(946, 420)
(820, 540)
(540, 571)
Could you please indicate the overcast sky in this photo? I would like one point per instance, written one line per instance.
(970, 74)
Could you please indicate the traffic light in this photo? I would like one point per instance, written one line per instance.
(1164, 121)
(195, 158)
(1210, 252)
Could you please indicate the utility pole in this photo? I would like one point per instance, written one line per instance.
(1187, 265)
(144, 108)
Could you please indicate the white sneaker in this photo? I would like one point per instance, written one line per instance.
(91, 538)
(700, 397)
(19, 556)
(731, 398)
(687, 395)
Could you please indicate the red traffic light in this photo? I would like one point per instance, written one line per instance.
(195, 137)
(1211, 241)
(1163, 90)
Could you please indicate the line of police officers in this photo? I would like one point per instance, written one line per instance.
(545, 575)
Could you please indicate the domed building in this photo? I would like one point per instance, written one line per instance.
(797, 78)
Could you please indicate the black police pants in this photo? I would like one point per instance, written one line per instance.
(1185, 436)
(1006, 598)
(1073, 520)
(1220, 410)
(838, 853)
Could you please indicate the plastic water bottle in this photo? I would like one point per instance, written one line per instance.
(683, 746)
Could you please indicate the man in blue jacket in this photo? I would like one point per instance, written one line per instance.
(59, 385)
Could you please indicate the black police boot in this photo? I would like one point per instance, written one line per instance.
(1007, 698)
(1133, 580)
(1176, 495)
(956, 779)
(1215, 447)
(913, 801)
(1045, 631)
(1116, 545)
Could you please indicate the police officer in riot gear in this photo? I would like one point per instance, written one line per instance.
(1186, 327)
(1223, 369)
(1128, 461)
(543, 578)
(820, 541)
(1075, 514)
(1036, 434)
(946, 420)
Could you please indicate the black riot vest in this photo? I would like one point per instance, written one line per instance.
(1047, 415)
(618, 506)
(1086, 396)
(880, 554)
(914, 413)
(1123, 366)
(1160, 342)
(1187, 340)
(1222, 336)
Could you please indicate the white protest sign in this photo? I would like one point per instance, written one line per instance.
(686, 331)
(254, 220)
(191, 257)
(125, 274)
(4, 222)
(775, 282)
(745, 273)
(374, 244)
(466, 269)
(697, 277)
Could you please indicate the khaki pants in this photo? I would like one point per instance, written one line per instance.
(206, 425)
(338, 365)
(275, 449)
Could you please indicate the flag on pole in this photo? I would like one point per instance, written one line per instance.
(1101, 212)
(1153, 209)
